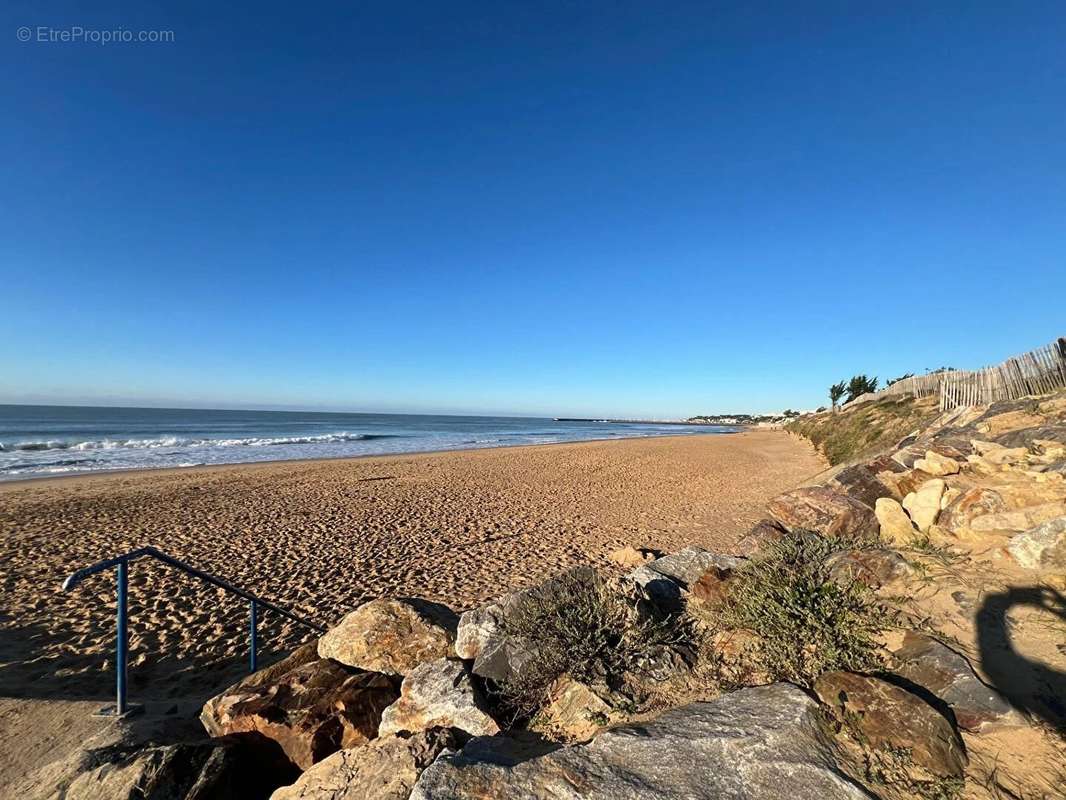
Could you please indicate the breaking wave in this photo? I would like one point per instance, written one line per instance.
(177, 441)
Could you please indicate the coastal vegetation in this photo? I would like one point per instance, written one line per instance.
(808, 619)
(591, 629)
(865, 429)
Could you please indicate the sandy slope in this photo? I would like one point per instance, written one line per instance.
(319, 537)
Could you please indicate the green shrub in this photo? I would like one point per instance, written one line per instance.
(807, 622)
(594, 630)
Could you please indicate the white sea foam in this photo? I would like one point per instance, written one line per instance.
(177, 441)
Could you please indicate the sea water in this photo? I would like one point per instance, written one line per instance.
(39, 441)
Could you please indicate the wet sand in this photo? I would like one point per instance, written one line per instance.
(320, 537)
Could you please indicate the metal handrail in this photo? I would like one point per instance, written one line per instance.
(121, 563)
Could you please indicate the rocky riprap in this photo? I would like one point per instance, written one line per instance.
(960, 529)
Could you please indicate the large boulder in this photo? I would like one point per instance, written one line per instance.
(937, 668)
(762, 534)
(1021, 519)
(766, 742)
(896, 526)
(310, 711)
(923, 506)
(666, 580)
(861, 483)
(972, 503)
(480, 638)
(391, 635)
(871, 566)
(889, 718)
(438, 694)
(1042, 546)
(384, 769)
(936, 464)
(998, 424)
(827, 512)
(220, 769)
(998, 455)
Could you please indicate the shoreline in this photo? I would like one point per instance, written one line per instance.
(6, 483)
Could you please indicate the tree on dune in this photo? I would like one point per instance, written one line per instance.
(836, 391)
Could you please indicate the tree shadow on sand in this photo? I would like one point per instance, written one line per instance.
(1029, 685)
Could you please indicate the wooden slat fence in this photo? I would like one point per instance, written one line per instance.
(1039, 371)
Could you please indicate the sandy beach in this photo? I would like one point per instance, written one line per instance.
(321, 537)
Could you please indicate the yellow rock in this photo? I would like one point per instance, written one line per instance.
(936, 464)
(924, 504)
(997, 453)
(1010, 421)
(1020, 520)
(896, 527)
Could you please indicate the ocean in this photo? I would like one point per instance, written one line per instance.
(41, 441)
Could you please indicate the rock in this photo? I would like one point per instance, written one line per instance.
(979, 465)
(997, 454)
(630, 556)
(860, 483)
(824, 511)
(763, 533)
(903, 483)
(384, 769)
(924, 504)
(1041, 546)
(951, 494)
(310, 711)
(438, 694)
(872, 566)
(766, 742)
(665, 579)
(1009, 421)
(1020, 520)
(712, 588)
(951, 445)
(889, 717)
(480, 639)
(391, 635)
(896, 526)
(215, 709)
(907, 455)
(220, 769)
(937, 668)
(1056, 406)
(969, 505)
(576, 711)
(1043, 438)
(936, 464)
(884, 463)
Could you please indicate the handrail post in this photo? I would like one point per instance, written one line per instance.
(122, 580)
(252, 636)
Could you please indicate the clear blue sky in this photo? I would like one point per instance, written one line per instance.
(560, 208)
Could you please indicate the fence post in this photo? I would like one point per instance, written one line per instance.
(122, 643)
(253, 640)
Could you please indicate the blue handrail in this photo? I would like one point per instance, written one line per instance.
(121, 563)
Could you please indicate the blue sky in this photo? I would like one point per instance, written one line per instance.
(536, 208)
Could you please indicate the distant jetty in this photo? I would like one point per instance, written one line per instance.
(635, 421)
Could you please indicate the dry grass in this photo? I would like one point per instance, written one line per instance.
(807, 622)
(595, 630)
(866, 429)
